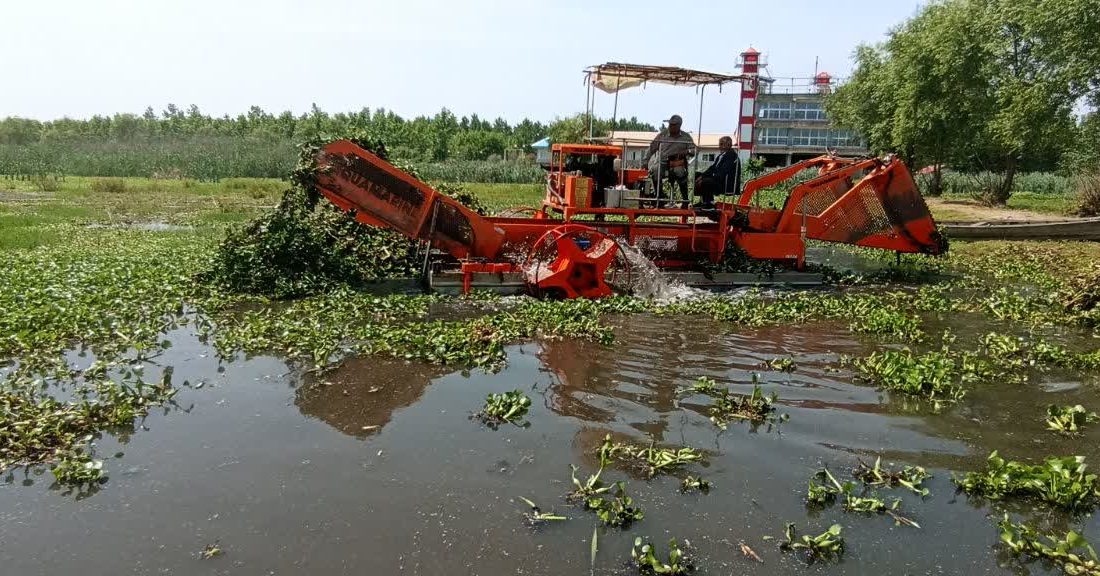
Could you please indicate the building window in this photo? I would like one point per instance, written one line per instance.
(809, 137)
(774, 110)
(846, 138)
(808, 111)
(708, 157)
(773, 136)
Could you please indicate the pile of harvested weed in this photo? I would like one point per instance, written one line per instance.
(1082, 295)
(305, 246)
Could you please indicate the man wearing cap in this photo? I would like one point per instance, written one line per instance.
(672, 147)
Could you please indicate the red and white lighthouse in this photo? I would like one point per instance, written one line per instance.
(750, 67)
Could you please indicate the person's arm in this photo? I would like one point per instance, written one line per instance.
(652, 149)
(710, 171)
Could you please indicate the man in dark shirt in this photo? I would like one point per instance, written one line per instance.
(722, 177)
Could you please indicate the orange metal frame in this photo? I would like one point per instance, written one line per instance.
(881, 210)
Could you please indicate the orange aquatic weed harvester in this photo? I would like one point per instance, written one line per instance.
(559, 248)
(594, 220)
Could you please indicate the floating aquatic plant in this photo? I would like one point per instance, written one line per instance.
(781, 364)
(506, 407)
(645, 558)
(824, 489)
(651, 460)
(909, 477)
(1062, 482)
(1071, 551)
(825, 546)
(536, 517)
(694, 483)
(1069, 419)
(616, 508)
(728, 406)
(933, 375)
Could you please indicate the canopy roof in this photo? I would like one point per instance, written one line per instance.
(614, 76)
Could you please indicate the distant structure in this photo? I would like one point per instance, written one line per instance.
(783, 120)
(542, 151)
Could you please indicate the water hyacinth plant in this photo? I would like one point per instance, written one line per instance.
(1062, 482)
(77, 470)
(825, 546)
(506, 407)
(650, 460)
(1069, 420)
(824, 489)
(781, 364)
(728, 406)
(616, 509)
(909, 477)
(592, 486)
(1071, 552)
(645, 559)
(933, 375)
(536, 517)
(694, 483)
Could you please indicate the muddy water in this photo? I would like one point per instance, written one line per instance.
(377, 468)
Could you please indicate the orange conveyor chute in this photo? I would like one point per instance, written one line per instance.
(382, 195)
(870, 202)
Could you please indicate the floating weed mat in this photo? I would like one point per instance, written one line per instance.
(937, 375)
(1061, 482)
(828, 545)
(1071, 551)
(109, 292)
(727, 406)
(943, 375)
(319, 331)
(1069, 420)
(306, 245)
(1081, 296)
(649, 460)
(644, 556)
(506, 407)
(106, 293)
(885, 314)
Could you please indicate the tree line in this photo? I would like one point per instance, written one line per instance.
(1001, 86)
(436, 138)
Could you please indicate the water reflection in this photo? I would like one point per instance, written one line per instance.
(360, 397)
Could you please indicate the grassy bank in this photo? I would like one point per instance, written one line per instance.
(27, 206)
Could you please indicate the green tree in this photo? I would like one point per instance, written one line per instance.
(19, 131)
(978, 84)
(477, 145)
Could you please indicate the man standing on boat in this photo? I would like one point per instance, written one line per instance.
(672, 147)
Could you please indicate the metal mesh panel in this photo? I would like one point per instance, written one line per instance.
(816, 201)
(858, 217)
(877, 221)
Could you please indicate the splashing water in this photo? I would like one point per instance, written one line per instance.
(647, 280)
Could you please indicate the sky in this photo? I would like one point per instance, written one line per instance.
(512, 59)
